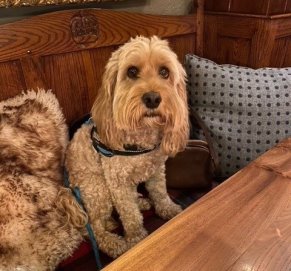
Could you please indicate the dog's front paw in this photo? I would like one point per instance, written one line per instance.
(113, 245)
(168, 211)
(138, 236)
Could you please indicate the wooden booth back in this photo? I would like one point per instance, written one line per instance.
(253, 33)
(67, 51)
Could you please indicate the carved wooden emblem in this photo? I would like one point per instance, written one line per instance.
(84, 28)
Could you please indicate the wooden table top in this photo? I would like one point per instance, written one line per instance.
(244, 224)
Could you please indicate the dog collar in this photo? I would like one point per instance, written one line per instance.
(106, 151)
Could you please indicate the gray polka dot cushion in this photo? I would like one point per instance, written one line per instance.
(247, 111)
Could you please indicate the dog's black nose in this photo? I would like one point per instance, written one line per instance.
(151, 99)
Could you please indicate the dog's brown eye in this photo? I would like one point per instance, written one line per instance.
(132, 72)
(164, 72)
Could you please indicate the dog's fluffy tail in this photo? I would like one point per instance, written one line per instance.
(74, 212)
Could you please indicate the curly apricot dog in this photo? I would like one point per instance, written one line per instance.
(35, 234)
(141, 105)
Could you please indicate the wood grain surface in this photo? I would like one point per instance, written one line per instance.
(51, 33)
(243, 224)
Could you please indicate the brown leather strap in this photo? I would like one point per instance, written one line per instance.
(200, 123)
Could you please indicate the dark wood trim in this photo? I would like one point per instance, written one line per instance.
(285, 8)
(200, 27)
(270, 17)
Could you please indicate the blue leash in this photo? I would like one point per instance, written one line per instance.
(77, 194)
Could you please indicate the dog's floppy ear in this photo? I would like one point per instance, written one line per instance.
(177, 133)
(110, 74)
(102, 108)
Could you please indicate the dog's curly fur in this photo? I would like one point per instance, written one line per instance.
(35, 233)
(122, 118)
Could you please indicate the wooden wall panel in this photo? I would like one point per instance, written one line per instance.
(277, 7)
(214, 5)
(227, 39)
(183, 45)
(255, 7)
(287, 58)
(11, 79)
(262, 43)
(97, 62)
(283, 27)
(249, 6)
(233, 50)
(279, 52)
(33, 72)
(288, 6)
(65, 75)
(244, 40)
